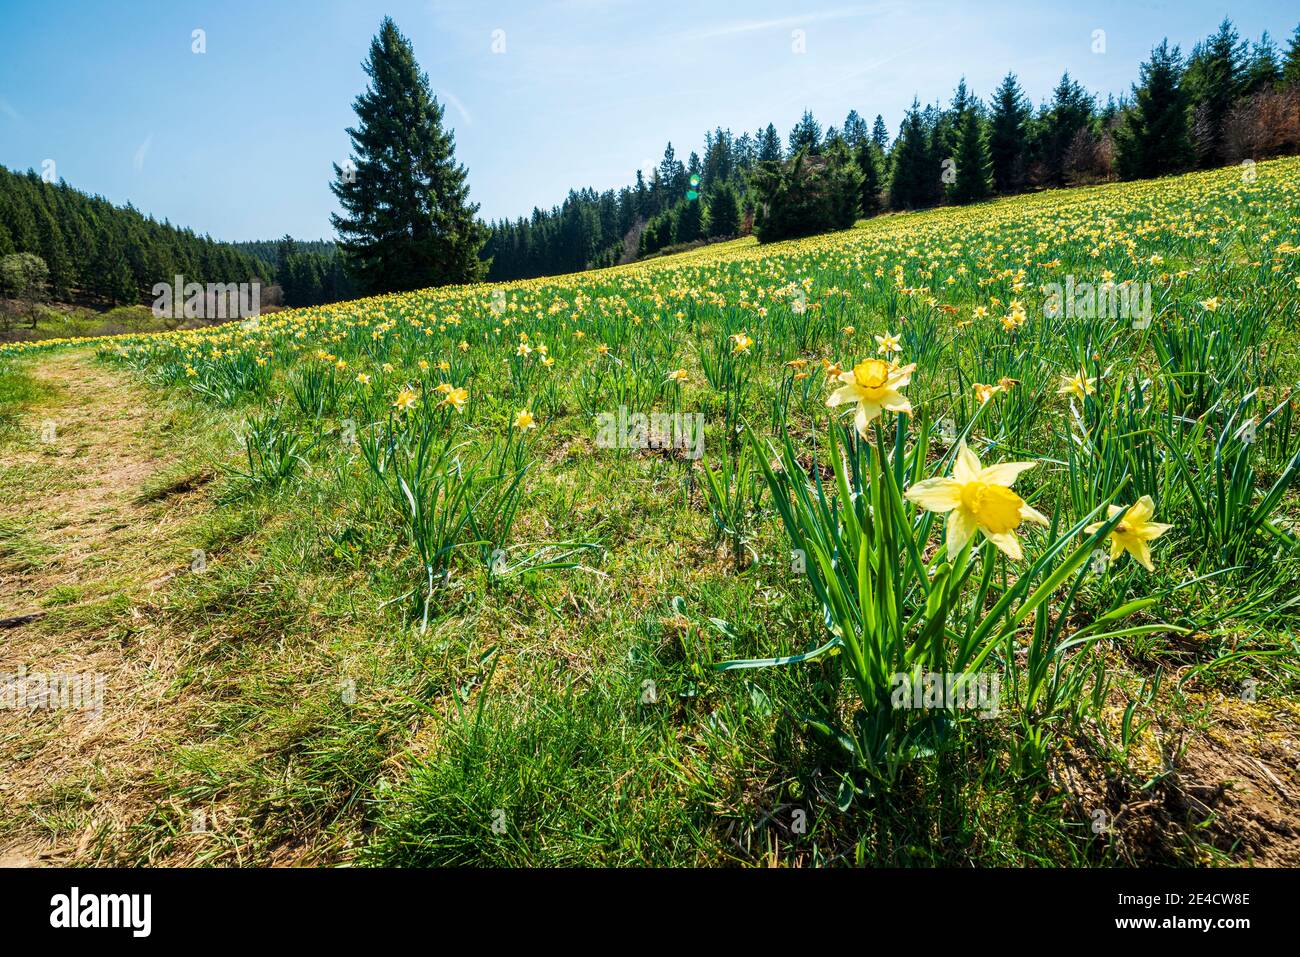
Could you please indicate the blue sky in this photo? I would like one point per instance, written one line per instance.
(238, 141)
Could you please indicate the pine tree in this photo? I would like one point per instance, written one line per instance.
(880, 134)
(915, 178)
(745, 152)
(642, 196)
(1291, 65)
(1214, 77)
(408, 222)
(284, 248)
(16, 216)
(972, 182)
(672, 177)
(719, 159)
(855, 130)
(1263, 71)
(1153, 138)
(870, 162)
(111, 272)
(954, 120)
(769, 145)
(694, 169)
(806, 135)
(689, 224)
(55, 253)
(1008, 136)
(724, 212)
(1071, 111)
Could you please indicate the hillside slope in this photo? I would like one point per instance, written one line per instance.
(353, 607)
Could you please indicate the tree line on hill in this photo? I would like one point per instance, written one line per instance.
(93, 250)
(1227, 101)
(90, 250)
(308, 272)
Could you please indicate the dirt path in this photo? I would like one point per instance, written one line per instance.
(84, 539)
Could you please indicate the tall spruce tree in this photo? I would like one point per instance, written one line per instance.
(973, 179)
(724, 212)
(1263, 72)
(55, 253)
(689, 224)
(880, 134)
(407, 220)
(1291, 63)
(855, 130)
(1008, 136)
(915, 180)
(1214, 79)
(672, 177)
(769, 145)
(806, 135)
(871, 163)
(1153, 140)
(1071, 110)
(954, 119)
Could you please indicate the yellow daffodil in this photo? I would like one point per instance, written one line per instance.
(363, 378)
(985, 392)
(1135, 532)
(978, 498)
(1079, 386)
(1212, 304)
(888, 343)
(740, 343)
(456, 398)
(677, 375)
(406, 398)
(524, 420)
(873, 385)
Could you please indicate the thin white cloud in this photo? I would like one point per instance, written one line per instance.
(9, 111)
(752, 26)
(845, 80)
(138, 160)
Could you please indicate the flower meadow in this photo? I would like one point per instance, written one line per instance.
(1045, 446)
